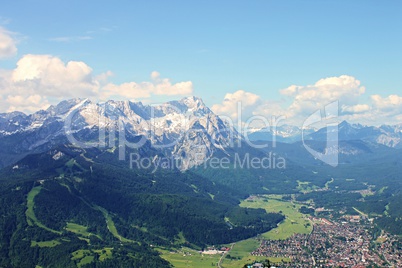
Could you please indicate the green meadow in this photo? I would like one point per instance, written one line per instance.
(45, 244)
(187, 257)
(111, 226)
(83, 256)
(30, 213)
(295, 222)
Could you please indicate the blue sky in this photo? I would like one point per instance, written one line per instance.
(221, 47)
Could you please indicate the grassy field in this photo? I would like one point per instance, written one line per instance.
(239, 255)
(328, 183)
(72, 162)
(46, 244)
(295, 221)
(84, 256)
(306, 187)
(111, 226)
(104, 253)
(109, 222)
(79, 230)
(186, 257)
(30, 214)
(180, 239)
(249, 259)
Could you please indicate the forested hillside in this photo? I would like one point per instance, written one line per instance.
(79, 209)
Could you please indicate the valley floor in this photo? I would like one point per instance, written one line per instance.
(240, 252)
(299, 241)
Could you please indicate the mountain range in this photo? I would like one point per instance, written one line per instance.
(186, 130)
(388, 135)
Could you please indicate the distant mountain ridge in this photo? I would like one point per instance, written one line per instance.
(387, 135)
(283, 133)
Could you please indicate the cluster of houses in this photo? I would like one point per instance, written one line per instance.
(334, 244)
(390, 248)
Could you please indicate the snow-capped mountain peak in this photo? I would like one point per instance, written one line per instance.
(182, 128)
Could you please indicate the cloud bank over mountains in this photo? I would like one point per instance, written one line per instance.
(38, 81)
(299, 101)
(41, 80)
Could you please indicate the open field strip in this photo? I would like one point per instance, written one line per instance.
(239, 255)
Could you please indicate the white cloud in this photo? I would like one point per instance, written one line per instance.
(302, 101)
(388, 104)
(307, 99)
(50, 76)
(163, 86)
(155, 75)
(53, 80)
(8, 45)
(157, 86)
(131, 90)
(41, 80)
(30, 104)
(355, 109)
(383, 110)
(230, 105)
